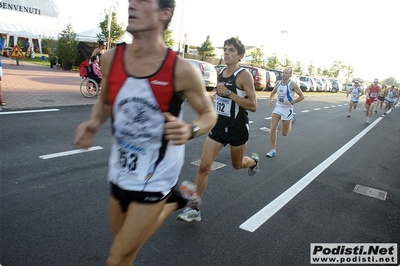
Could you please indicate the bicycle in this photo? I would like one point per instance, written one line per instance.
(89, 87)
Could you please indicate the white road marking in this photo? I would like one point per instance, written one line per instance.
(29, 111)
(267, 118)
(316, 109)
(66, 153)
(326, 107)
(269, 210)
(305, 111)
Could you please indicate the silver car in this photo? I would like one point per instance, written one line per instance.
(310, 81)
(336, 85)
(327, 84)
(208, 71)
(304, 86)
(320, 84)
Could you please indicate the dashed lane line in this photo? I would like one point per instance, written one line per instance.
(29, 111)
(66, 153)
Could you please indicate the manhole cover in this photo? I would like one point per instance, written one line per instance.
(47, 100)
(371, 192)
(214, 166)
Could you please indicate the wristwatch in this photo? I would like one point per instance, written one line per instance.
(195, 131)
(228, 93)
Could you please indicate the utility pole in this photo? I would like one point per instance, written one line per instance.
(180, 31)
(109, 25)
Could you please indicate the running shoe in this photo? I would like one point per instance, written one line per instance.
(271, 153)
(189, 192)
(348, 115)
(254, 169)
(189, 215)
(2, 103)
(367, 120)
(376, 111)
(293, 119)
(384, 113)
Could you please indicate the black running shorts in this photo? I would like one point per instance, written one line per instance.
(235, 136)
(125, 197)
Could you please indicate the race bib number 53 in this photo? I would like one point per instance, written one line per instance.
(127, 160)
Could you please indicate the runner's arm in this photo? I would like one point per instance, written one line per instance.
(272, 95)
(299, 92)
(189, 82)
(101, 111)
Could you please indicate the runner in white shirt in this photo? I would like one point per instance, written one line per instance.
(284, 107)
(355, 92)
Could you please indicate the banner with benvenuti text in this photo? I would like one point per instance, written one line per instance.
(34, 7)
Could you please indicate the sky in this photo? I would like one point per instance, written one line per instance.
(363, 34)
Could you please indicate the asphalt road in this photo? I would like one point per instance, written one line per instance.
(54, 211)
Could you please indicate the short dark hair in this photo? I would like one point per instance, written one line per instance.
(94, 57)
(163, 4)
(237, 43)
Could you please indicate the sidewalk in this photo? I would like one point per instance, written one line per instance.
(31, 86)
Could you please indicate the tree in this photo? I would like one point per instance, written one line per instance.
(297, 68)
(285, 62)
(273, 62)
(311, 69)
(168, 40)
(325, 72)
(391, 81)
(116, 30)
(206, 49)
(335, 70)
(67, 46)
(257, 57)
(348, 72)
(319, 71)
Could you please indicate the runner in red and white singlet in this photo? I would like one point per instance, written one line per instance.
(372, 94)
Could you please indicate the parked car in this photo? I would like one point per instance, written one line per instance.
(336, 85)
(320, 84)
(295, 79)
(327, 84)
(208, 71)
(304, 86)
(270, 79)
(278, 74)
(310, 81)
(259, 76)
(347, 86)
(219, 66)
